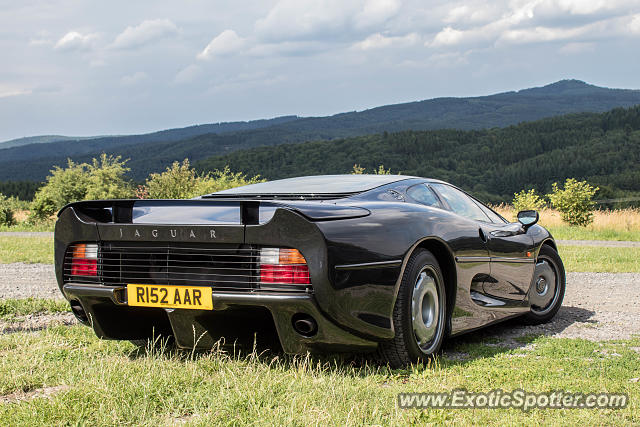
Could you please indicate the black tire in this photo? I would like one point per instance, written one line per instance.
(404, 349)
(542, 312)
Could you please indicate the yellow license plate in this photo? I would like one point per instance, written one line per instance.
(192, 297)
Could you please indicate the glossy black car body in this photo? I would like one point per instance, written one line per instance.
(356, 232)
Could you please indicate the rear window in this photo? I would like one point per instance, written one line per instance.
(324, 184)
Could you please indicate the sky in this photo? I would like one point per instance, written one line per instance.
(80, 68)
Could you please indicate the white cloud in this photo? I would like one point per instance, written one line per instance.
(74, 40)
(376, 12)
(146, 32)
(134, 79)
(188, 74)
(321, 19)
(6, 92)
(378, 41)
(225, 43)
(448, 36)
(634, 24)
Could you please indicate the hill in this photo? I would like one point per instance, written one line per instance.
(151, 154)
(602, 148)
(115, 140)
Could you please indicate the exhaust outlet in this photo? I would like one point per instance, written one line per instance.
(78, 311)
(304, 324)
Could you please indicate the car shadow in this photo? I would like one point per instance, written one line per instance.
(512, 334)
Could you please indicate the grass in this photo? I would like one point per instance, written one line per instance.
(11, 308)
(599, 259)
(23, 226)
(110, 383)
(619, 224)
(33, 249)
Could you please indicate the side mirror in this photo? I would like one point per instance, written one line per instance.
(528, 218)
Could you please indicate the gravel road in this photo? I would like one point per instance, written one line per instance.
(597, 306)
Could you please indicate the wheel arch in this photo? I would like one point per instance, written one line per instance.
(446, 260)
(548, 242)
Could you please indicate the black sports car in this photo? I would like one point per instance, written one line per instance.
(344, 262)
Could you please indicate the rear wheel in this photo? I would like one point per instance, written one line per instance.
(547, 287)
(419, 315)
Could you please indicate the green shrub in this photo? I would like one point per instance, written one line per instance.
(527, 200)
(359, 170)
(102, 179)
(180, 181)
(574, 201)
(6, 211)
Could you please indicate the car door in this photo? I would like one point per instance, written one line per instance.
(510, 269)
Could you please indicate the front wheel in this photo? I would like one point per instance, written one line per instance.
(419, 315)
(547, 287)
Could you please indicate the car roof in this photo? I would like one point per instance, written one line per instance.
(318, 184)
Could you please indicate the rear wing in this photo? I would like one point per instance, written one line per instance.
(205, 211)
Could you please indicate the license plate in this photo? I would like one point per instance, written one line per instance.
(191, 297)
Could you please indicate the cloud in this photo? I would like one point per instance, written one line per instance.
(188, 74)
(6, 92)
(634, 24)
(379, 41)
(299, 20)
(74, 40)
(531, 21)
(134, 79)
(146, 32)
(447, 37)
(225, 43)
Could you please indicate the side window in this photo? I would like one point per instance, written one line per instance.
(494, 217)
(460, 203)
(423, 195)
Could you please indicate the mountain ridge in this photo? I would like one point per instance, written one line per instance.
(488, 111)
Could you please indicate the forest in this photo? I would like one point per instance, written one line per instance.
(154, 152)
(493, 164)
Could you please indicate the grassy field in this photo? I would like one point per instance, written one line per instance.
(90, 381)
(11, 309)
(621, 224)
(112, 383)
(34, 249)
(599, 259)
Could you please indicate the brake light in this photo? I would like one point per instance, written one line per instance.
(84, 260)
(283, 265)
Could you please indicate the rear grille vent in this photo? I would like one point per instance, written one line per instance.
(223, 267)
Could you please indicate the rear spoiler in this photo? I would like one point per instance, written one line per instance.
(205, 211)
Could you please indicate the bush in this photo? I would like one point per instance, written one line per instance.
(359, 170)
(180, 181)
(574, 201)
(6, 211)
(527, 200)
(102, 179)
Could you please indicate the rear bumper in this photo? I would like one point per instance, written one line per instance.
(111, 318)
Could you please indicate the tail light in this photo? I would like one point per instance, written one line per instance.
(84, 259)
(284, 266)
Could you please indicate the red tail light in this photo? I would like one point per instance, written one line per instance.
(84, 260)
(285, 266)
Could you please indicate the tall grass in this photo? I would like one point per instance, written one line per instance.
(619, 224)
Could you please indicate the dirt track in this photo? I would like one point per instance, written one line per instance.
(597, 306)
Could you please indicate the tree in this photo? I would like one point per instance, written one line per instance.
(359, 170)
(574, 201)
(180, 181)
(526, 200)
(6, 211)
(102, 179)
